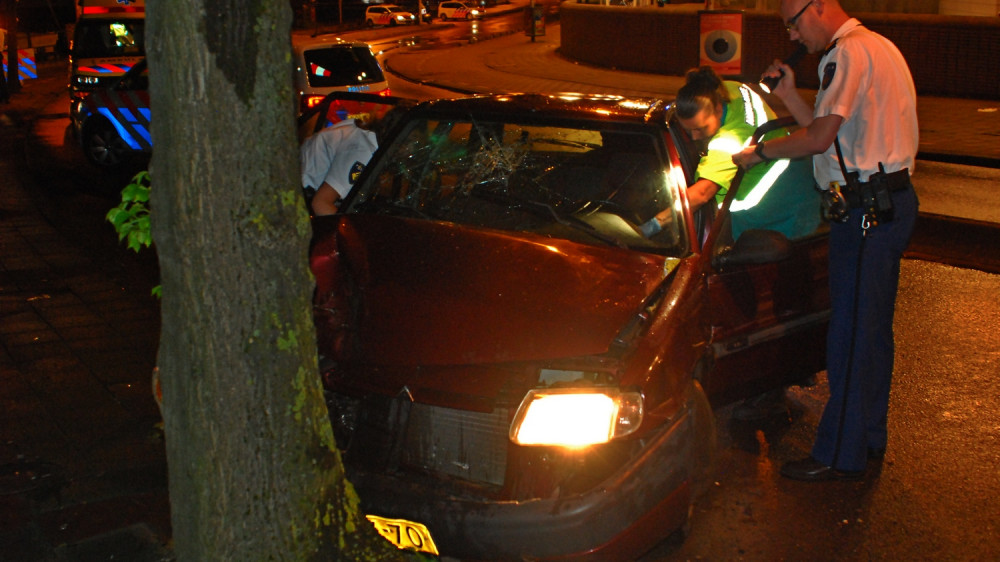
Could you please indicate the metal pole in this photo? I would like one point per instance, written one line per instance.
(531, 19)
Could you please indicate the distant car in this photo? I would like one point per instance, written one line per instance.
(513, 371)
(388, 14)
(112, 122)
(459, 11)
(324, 65)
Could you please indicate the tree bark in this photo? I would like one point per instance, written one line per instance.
(253, 470)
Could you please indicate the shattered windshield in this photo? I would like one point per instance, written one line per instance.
(589, 185)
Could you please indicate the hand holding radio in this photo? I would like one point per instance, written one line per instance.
(768, 83)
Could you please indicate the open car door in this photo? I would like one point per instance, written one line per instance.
(770, 302)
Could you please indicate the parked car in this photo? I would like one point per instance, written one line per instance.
(325, 64)
(459, 11)
(112, 122)
(388, 14)
(513, 371)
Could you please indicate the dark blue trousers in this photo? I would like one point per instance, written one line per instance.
(860, 344)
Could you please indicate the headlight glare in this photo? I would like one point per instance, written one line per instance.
(575, 417)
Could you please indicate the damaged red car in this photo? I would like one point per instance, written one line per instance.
(514, 371)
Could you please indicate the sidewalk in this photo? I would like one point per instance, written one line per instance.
(82, 463)
(82, 468)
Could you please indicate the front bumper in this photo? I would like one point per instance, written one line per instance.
(620, 519)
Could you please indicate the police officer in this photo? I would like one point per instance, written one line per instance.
(332, 160)
(863, 135)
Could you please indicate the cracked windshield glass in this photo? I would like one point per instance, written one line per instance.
(586, 185)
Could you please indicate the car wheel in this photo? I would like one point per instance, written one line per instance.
(443, 17)
(468, 16)
(702, 436)
(101, 144)
(702, 440)
(370, 23)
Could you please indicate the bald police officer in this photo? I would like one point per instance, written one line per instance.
(863, 135)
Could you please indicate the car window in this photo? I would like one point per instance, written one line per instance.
(589, 185)
(342, 66)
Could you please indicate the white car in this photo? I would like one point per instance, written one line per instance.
(388, 14)
(459, 11)
(324, 65)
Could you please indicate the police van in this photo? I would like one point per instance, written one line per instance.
(108, 39)
(112, 122)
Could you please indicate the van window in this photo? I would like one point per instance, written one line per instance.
(341, 66)
(108, 38)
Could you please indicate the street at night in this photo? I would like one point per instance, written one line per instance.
(83, 472)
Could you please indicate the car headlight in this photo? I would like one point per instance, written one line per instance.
(87, 80)
(575, 417)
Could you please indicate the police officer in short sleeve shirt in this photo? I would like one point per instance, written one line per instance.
(867, 102)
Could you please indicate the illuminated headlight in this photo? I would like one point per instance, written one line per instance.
(475, 12)
(575, 417)
(87, 80)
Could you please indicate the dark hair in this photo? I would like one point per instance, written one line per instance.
(703, 89)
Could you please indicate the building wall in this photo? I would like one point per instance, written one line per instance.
(948, 55)
(970, 7)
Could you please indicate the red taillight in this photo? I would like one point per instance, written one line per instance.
(88, 10)
(385, 93)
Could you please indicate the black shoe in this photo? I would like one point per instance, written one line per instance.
(811, 470)
(876, 454)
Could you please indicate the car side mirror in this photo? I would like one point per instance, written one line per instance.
(754, 247)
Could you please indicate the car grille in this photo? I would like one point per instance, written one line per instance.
(383, 434)
(471, 446)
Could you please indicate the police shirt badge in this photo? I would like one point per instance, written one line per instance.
(828, 72)
(356, 170)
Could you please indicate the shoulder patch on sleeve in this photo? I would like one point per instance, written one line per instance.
(356, 170)
(828, 72)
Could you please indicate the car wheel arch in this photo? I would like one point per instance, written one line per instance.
(101, 142)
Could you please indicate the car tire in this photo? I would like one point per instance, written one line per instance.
(102, 145)
(370, 23)
(443, 17)
(468, 17)
(703, 431)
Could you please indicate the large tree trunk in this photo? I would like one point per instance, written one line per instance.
(254, 474)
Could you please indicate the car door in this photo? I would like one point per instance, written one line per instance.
(768, 305)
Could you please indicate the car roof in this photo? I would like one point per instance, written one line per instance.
(527, 107)
(332, 41)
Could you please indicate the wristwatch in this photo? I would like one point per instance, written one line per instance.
(759, 151)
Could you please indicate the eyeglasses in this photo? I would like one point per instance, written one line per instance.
(790, 24)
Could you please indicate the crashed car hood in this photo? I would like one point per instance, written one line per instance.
(442, 294)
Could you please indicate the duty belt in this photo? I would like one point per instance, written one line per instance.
(896, 181)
